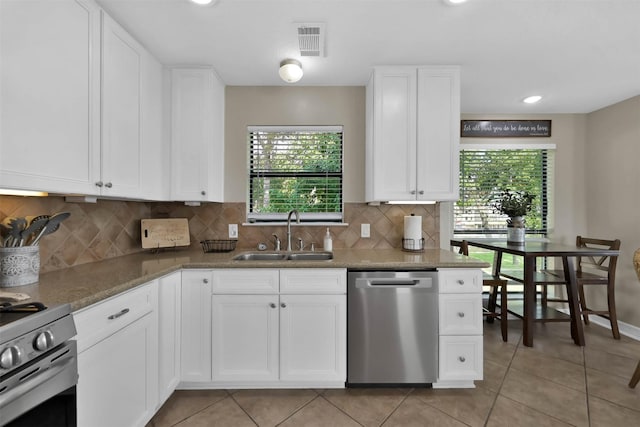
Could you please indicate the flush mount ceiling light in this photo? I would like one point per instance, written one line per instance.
(204, 2)
(532, 99)
(455, 1)
(290, 70)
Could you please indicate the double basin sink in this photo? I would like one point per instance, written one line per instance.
(284, 256)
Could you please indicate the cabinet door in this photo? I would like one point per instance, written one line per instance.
(155, 158)
(438, 137)
(195, 354)
(391, 142)
(245, 337)
(114, 386)
(313, 337)
(169, 309)
(49, 95)
(121, 119)
(197, 135)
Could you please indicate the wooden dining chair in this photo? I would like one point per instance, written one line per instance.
(593, 271)
(497, 286)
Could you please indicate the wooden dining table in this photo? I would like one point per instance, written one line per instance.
(530, 250)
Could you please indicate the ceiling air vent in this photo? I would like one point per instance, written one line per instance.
(311, 39)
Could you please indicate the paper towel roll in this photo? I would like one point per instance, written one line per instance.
(412, 232)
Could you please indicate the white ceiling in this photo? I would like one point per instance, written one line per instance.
(581, 55)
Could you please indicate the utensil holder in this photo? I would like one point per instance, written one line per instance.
(19, 266)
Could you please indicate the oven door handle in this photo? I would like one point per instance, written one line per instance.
(39, 378)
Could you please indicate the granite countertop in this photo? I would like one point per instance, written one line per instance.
(87, 284)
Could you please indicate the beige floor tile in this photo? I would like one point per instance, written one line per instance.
(613, 389)
(508, 413)
(368, 406)
(184, 403)
(270, 407)
(319, 413)
(560, 371)
(603, 341)
(560, 346)
(494, 374)
(415, 412)
(610, 363)
(470, 406)
(607, 414)
(223, 413)
(499, 351)
(546, 396)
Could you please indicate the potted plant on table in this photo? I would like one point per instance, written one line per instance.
(515, 204)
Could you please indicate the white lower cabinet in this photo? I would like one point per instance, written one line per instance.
(195, 347)
(117, 359)
(169, 309)
(460, 327)
(279, 336)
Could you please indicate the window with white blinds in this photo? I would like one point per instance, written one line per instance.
(484, 173)
(295, 167)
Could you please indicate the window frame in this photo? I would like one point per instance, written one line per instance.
(548, 183)
(309, 218)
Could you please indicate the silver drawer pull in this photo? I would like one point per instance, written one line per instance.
(119, 314)
(460, 314)
(462, 359)
(460, 282)
(205, 280)
(283, 305)
(272, 305)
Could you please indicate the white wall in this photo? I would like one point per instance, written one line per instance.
(612, 166)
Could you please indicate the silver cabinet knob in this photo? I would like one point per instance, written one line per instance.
(413, 191)
(421, 192)
(108, 185)
(283, 305)
(460, 282)
(204, 193)
(272, 305)
(460, 314)
(205, 280)
(99, 184)
(462, 359)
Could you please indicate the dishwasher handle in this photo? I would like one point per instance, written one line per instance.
(394, 282)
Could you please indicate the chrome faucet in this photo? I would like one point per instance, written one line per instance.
(289, 227)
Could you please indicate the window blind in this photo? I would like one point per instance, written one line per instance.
(295, 168)
(486, 172)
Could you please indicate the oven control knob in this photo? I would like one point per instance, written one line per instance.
(10, 357)
(44, 341)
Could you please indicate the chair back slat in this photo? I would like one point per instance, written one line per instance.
(602, 263)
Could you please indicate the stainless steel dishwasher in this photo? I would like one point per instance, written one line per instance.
(392, 334)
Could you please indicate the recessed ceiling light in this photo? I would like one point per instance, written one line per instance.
(455, 1)
(532, 99)
(204, 2)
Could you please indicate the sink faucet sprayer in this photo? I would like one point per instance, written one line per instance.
(294, 211)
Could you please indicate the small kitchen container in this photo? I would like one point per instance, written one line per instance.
(19, 266)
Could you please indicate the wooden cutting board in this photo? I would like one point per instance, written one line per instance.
(164, 233)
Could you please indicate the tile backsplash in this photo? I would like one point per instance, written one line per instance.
(108, 229)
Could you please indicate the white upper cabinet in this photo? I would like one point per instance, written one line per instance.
(412, 143)
(121, 118)
(197, 135)
(81, 100)
(49, 99)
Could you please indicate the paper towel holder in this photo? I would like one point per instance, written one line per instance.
(413, 245)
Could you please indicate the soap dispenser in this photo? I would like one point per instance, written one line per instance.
(328, 243)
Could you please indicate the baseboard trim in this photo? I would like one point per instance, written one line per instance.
(626, 329)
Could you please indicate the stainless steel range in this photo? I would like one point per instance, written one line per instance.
(38, 365)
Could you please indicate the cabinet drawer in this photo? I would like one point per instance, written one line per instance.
(98, 321)
(460, 281)
(460, 314)
(245, 281)
(319, 280)
(460, 358)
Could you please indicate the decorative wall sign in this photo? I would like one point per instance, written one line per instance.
(505, 128)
